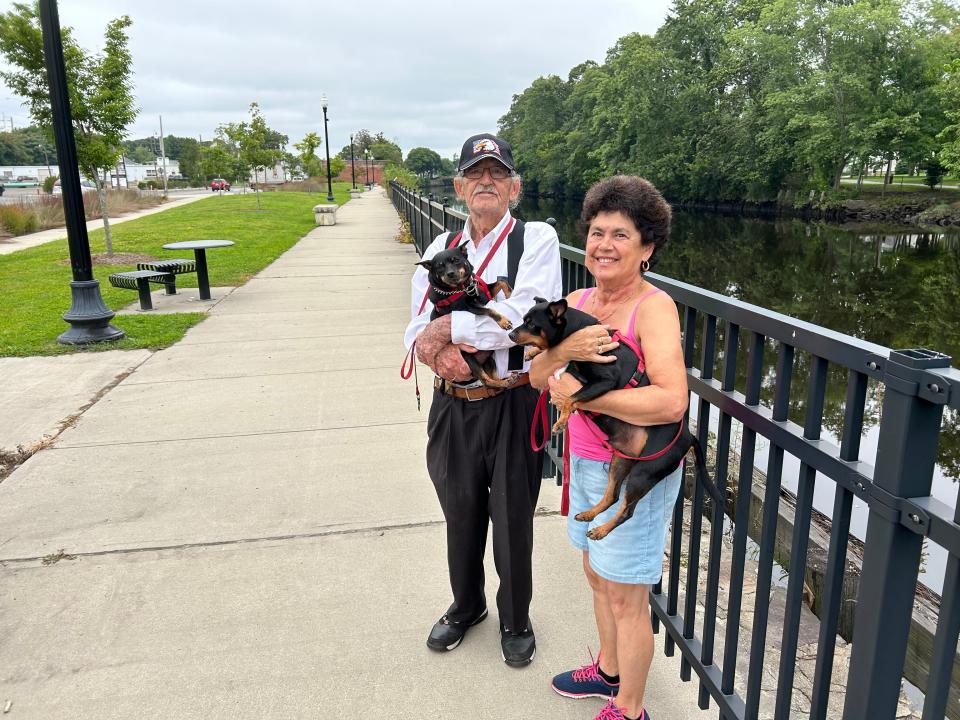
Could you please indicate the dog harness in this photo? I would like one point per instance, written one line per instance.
(476, 286)
(541, 415)
(409, 365)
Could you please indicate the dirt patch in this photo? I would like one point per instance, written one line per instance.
(117, 259)
(10, 460)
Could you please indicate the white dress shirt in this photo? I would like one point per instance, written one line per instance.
(537, 276)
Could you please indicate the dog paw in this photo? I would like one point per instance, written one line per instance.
(505, 324)
(596, 534)
(584, 516)
(531, 353)
(558, 426)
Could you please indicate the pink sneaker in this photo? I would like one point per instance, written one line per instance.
(612, 712)
(584, 682)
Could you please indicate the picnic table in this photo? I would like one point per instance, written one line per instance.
(200, 248)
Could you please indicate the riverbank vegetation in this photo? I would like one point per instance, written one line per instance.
(746, 100)
(46, 211)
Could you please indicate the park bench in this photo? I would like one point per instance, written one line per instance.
(171, 268)
(140, 280)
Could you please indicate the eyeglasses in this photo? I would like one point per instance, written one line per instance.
(497, 172)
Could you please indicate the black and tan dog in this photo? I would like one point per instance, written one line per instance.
(453, 286)
(642, 456)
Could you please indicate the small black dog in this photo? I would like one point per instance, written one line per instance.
(453, 286)
(546, 325)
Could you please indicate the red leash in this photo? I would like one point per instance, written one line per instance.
(542, 418)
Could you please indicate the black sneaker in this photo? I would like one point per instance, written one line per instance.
(447, 634)
(518, 648)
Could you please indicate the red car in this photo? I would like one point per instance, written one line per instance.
(219, 184)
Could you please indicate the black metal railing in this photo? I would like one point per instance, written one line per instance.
(725, 344)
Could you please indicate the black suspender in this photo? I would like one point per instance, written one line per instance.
(514, 251)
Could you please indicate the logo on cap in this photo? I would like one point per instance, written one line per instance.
(485, 145)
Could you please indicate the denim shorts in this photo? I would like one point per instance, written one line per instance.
(633, 553)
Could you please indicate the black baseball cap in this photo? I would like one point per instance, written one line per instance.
(485, 145)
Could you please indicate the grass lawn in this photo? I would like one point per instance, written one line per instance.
(35, 282)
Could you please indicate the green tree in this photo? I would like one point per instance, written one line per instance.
(308, 162)
(188, 156)
(949, 137)
(221, 157)
(386, 151)
(423, 161)
(362, 140)
(258, 147)
(143, 155)
(934, 173)
(100, 88)
(26, 146)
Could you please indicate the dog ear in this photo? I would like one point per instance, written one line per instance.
(463, 249)
(557, 309)
(428, 264)
(538, 300)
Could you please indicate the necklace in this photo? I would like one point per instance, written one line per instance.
(612, 310)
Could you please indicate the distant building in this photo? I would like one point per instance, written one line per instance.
(26, 173)
(125, 173)
(128, 173)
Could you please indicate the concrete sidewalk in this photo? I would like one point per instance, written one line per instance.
(243, 527)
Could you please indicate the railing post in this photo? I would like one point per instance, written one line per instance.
(906, 455)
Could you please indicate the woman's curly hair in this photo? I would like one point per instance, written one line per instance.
(636, 198)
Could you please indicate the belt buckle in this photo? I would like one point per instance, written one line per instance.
(466, 394)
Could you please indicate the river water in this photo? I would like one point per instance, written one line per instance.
(895, 286)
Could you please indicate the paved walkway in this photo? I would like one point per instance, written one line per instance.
(10, 245)
(242, 527)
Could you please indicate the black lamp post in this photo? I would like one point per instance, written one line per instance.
(366, 154)
(353, 167)
(89, 318)
(326, 139)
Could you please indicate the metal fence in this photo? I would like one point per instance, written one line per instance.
(728, 348)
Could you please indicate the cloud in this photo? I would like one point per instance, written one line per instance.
(423, 73)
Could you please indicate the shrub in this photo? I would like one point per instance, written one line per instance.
(48, 183)
(934, 173)
(18, 219)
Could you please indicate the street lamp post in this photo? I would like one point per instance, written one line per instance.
(88, 316)
(326, 139)
(366, 154)
(353, 166)
(43, 149)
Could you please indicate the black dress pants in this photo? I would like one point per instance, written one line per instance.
(484, 471)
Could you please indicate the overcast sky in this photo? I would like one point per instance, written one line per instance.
(423, 73)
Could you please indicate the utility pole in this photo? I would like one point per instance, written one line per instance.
(163, 155)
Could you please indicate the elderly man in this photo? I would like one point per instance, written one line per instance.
(478, 448)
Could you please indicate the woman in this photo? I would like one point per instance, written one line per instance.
(627, 223)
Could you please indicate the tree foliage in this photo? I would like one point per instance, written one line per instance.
(27, 146)
(99, 86)
(742, 99)
(424, 161)
(307, 162)
(378, 145)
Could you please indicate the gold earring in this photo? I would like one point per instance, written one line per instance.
(644, 266)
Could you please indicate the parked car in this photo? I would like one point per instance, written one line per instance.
(219, 184)
(85, 185)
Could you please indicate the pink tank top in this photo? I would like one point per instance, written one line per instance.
(583, 442)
